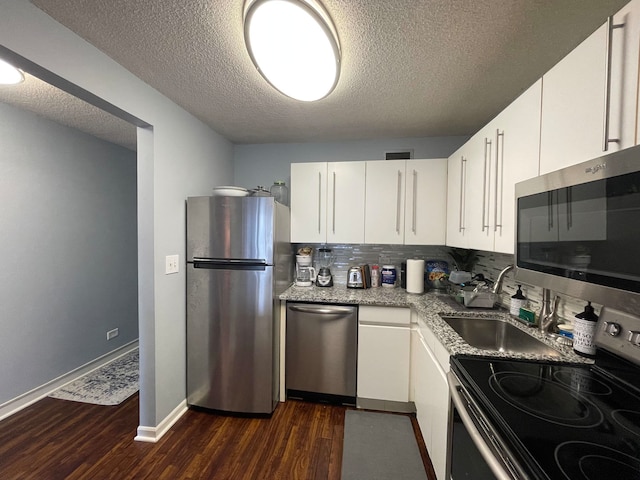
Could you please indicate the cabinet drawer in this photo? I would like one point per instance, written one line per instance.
(384, 315)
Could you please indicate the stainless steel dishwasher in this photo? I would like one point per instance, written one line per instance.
(321, 352)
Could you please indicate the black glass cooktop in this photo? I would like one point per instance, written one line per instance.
(562, 421)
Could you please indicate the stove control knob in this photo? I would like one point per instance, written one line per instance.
(634, 338)
(612, 328)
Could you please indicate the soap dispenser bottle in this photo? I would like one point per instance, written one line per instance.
(583, 331)
(518, 301)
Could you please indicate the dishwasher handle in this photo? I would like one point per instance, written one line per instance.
(323, 309)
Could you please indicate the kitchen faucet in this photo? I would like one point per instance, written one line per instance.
(497, 286)
(548, 317)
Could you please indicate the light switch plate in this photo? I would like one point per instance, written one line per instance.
(171, 265)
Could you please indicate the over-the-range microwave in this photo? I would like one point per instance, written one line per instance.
(578, 231)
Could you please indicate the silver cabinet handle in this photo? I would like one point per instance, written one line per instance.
(485, 192)
(415, 201)
(607, 84)
(398, 202)
(319, 199)
(334, 202)
(463, 183)
(499, 180)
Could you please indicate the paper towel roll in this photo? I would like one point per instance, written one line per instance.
(415, 276)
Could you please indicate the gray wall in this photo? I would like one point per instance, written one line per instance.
(69, 270)
(262, 164)
(178, 157)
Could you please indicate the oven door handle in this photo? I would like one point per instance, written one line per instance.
(497, 465)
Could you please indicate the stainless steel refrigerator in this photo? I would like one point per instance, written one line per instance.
(239, 260)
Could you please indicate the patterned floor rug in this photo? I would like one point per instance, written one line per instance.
(110, 384)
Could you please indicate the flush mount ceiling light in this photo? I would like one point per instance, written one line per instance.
(294, 46)
(9, 75)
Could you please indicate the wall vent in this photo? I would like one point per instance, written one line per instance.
(399, 155)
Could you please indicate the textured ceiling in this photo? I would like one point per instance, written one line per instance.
(409, 67)
(52, 103)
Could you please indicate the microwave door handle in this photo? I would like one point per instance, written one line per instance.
(550, 211)
(606, 140)
(569, 208)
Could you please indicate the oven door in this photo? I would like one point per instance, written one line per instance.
(476, 450)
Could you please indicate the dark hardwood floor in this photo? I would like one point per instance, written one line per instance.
(57, 439)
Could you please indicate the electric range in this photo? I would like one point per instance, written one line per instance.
(558, 421)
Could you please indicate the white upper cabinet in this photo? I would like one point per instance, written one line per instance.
(320, 193)
(385, 194)
(483, 174)
(309, 202)
(406, 202)
(425, 215)
(345, 202)
(591, 95)
(456, 197)
(517, 139)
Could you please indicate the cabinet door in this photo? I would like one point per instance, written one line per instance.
(625, 45)
(421, 390)
(309, 202)
(456, 198)
(438, 404)
(479, 164)
(517, 138)
(384, 213)
(345, 202)
(383, 362)
(573, 106)
(425, 219)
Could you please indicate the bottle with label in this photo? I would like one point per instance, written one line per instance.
(584, 328)
(518, 301)
(375, 276)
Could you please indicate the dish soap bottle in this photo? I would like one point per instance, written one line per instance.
(583, 330)
(518, 301)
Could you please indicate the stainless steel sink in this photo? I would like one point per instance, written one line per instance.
(498, 335)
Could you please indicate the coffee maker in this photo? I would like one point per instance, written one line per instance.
(305, 273)
(324, 260)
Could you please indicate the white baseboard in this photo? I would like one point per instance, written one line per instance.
(153, 434)
(22, 401)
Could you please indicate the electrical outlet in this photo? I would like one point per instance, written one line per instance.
(112, 334)
(171, 264)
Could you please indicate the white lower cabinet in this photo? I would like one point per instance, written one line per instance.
(429, 367)
(384, 337)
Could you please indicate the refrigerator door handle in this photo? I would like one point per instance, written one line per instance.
(214, 263)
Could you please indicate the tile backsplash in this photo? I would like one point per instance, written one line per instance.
(489, 264)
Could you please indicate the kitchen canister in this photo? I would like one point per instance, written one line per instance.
(280, 192)
(388, 276)
(415, 275)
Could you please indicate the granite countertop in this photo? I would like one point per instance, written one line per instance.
(429, 306)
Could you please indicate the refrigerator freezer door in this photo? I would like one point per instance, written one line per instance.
(230, 228)
(231, 358)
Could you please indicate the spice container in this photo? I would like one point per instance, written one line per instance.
(375, 276)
